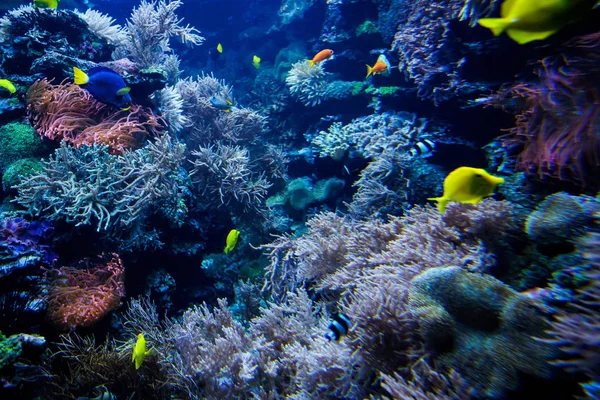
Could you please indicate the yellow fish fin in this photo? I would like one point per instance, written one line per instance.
(311, 63)
(496, 25)
(523, 37)
(442, 203)
(8, 85)
(126, 108)
(229, 102)
(123, 91)
(369, 71)
(220, 48)
(227, 110)
(80, 77)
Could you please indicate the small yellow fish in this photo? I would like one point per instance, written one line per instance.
(8, 85)
(220, 48)
(45, 3)
(231, 240)
(527, 20)
(256, 62)
(139, 351)
(467, 185)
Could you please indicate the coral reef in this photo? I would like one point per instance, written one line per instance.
(561, 218)
(67, 112)
(87, 185)
(149, 30)
(17, 141)
(481, 328)
(81, 295)
(557, 115)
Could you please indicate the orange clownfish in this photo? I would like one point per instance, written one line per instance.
(382, 66)
(321, 56)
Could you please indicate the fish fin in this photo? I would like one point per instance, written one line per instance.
(311, 63)
(506, 8)
(442, 202)
(229, 102)
(369, 71)
(126, 108)
(227, 110)
(80, 77)
(123, 91)
(523, 37)
(496, 25)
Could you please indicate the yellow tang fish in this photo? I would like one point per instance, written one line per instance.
(139, 351)
(527, 20)
(8, 85)
(220, 48)
(231, 240)
(256, 62)
(45, 3)
(467, 185)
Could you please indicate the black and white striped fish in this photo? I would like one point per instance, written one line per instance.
(423, 149)
(339, 326)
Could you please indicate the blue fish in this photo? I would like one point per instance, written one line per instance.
(105, 85)
(221, 103)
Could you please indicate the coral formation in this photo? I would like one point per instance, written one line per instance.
(117, 194)
(81, 295)
(480, 327)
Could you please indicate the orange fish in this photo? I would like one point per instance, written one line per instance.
(379, 68)
(321, 56)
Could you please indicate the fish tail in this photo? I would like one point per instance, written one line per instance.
(311, 63)
(496, 25)
(80, 77)
(442, 203)
(369, 71)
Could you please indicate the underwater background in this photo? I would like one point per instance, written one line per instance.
(300, 199)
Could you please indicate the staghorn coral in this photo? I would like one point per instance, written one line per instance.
(225, 176)
(80, 296)
(67, 112)
(87, 186)
(307, 84)
(149, 29)
(480, 327)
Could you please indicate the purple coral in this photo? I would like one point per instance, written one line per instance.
(21, 244)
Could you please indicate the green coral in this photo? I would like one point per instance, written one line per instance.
(357, 88)
(386, 91)
(367, 28)
(10, 350)
(17, 141)
(19, 169)
(301, 192)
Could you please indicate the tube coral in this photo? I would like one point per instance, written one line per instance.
(80, 297)
(67, 112)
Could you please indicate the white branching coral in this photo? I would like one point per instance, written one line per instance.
(102, 25)
(149, 29)
(307, 84)
(171, 104)
(333, 143)
(5, 22)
